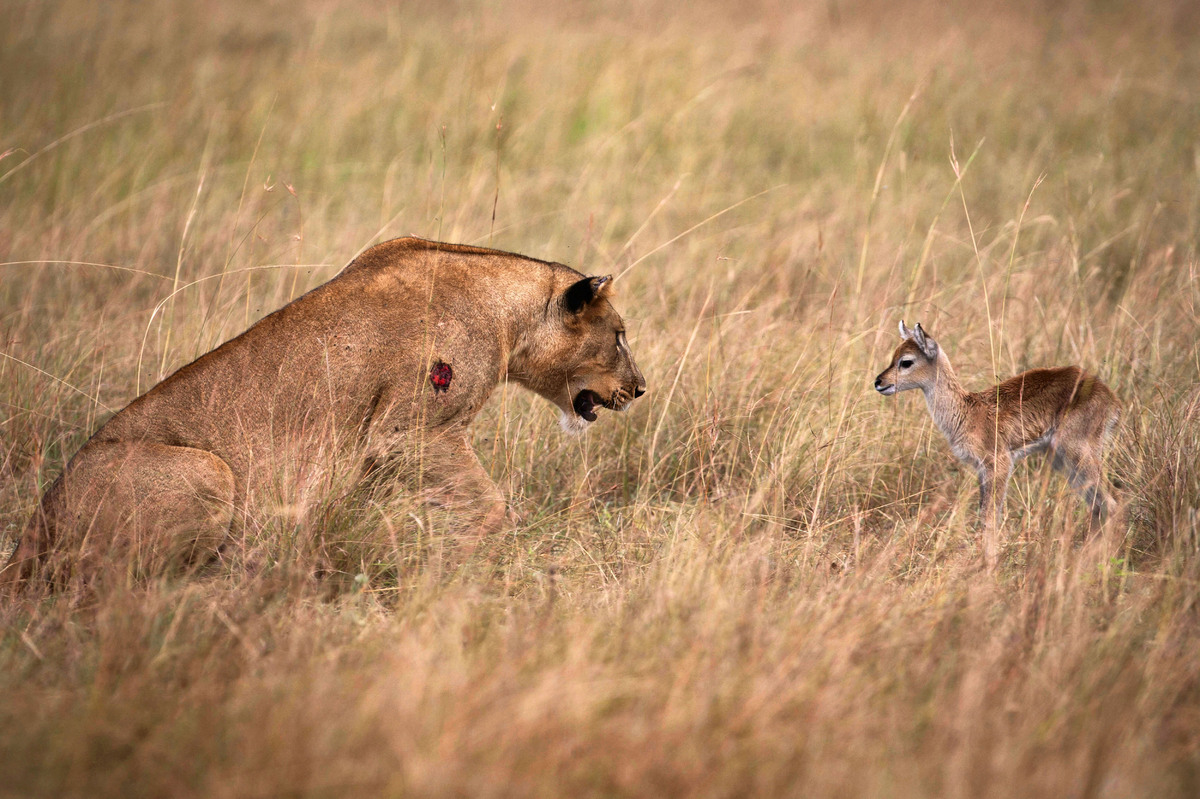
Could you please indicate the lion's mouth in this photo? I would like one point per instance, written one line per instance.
(586, 403)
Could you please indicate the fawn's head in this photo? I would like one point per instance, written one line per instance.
(914, 363)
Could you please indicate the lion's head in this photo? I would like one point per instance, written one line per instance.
(578, 357)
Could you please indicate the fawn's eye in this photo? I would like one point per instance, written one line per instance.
(906, 363)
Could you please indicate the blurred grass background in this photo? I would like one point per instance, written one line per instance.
(761, 580)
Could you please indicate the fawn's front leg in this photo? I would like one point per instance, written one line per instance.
(993, 487)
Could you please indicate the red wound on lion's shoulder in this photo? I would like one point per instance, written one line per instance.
(440, 375)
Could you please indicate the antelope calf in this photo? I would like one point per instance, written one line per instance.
(1065, 410)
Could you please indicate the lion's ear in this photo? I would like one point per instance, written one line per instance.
(584, 292)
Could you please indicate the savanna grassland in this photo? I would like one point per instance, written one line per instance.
(763, 579)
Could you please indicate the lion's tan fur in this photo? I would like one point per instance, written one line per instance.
(344, 369)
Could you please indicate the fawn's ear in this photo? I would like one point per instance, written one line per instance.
(905, 333)
(925, 342)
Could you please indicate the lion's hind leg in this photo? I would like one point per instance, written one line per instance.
(139, 508)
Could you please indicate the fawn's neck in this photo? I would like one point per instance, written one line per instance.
(947, 400)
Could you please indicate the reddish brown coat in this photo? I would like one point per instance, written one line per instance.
(1064, 409)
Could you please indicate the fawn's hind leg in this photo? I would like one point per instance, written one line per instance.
(1078, 448)
(142, 507)
(1084, 470)
(1082, 466)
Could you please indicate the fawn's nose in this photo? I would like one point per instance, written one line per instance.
(878, 383)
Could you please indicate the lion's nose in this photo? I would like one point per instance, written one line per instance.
(639, 391)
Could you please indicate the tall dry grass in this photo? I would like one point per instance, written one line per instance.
(762, 580)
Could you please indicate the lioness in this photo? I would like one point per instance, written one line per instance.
(395, 354)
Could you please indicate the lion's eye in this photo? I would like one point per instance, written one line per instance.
(906, 363)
